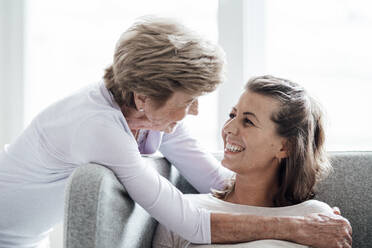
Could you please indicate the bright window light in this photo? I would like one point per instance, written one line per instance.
(70, 43)
(326, 46)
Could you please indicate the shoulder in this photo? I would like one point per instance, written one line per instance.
(205, 201)
(211, 203)
(199, 199)
(86, 106)
(315, 206)
(105, 128)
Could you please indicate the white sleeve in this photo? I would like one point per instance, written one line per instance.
(198, 166)
(110, 145)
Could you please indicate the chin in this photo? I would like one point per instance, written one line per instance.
(230, 166)
(226, 163)
(169, 129)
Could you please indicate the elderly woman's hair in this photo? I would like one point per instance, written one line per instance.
(156, 57)
(299, 120)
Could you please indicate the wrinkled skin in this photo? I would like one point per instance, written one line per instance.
(327, 231)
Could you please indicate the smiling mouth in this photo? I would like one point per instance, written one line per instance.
(234, 148)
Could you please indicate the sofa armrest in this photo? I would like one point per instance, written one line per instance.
(100, 213)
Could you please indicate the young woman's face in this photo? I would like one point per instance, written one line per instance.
(174, 110)
(250, 139)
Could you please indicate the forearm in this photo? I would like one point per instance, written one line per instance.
(315, 230)
(201, 169)
(227, 228)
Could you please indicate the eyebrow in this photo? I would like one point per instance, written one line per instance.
(248, 113)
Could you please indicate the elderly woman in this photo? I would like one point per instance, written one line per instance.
(274, 141)
(160, 69)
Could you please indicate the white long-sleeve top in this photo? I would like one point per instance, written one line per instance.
(85, 127)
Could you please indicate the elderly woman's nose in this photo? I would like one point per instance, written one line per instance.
(194, 108)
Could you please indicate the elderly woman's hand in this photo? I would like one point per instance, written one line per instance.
(336, 210)
(328, 231)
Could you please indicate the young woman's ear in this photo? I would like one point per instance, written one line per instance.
(283, 152)
(139, 100)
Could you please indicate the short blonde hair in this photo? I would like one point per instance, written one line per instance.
(157, 57)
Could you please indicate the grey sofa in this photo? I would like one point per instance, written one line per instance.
(99, 212)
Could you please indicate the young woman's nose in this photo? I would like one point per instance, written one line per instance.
(194, 108)
(230, 127)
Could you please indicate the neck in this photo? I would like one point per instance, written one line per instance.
(255, 189)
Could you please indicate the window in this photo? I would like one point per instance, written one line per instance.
(70, 43)
(323, 45)
(326, 46)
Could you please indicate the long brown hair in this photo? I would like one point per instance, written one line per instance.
(300, 121)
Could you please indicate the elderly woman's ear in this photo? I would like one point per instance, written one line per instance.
(194, 108)
(139, 100)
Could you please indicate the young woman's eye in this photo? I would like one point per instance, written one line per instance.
(232, 115)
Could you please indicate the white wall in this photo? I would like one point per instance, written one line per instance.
(11, 69)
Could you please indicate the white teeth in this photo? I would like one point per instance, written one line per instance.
(234, 148)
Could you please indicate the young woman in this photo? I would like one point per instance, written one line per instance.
(274, 142)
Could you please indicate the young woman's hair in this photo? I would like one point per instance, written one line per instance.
(300, 121)
(156, 57)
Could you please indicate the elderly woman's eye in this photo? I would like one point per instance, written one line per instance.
(232, 115)
(248, 121)
(189, 104)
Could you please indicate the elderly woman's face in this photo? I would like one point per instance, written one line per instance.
(250, 140)
(174, 110)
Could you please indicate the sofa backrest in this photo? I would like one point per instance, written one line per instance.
(100, 213)
(349, 187)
